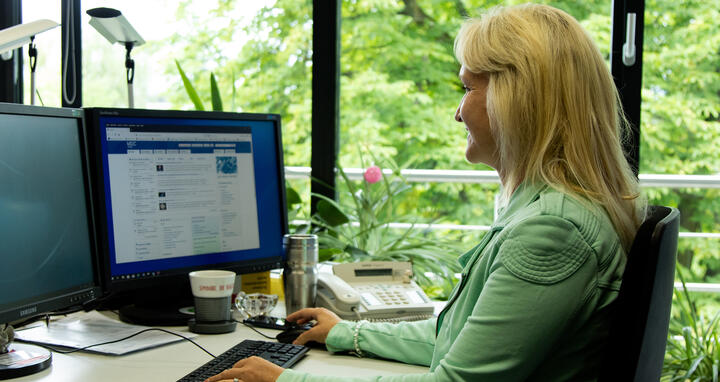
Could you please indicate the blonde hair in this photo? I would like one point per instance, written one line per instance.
(553, 108)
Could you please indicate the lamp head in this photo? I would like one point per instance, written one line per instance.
(19, 35)
(114, 26)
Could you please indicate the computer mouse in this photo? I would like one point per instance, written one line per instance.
(289, 335)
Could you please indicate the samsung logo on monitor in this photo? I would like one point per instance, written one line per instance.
(30, 310)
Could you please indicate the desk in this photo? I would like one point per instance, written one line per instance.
(172, 362)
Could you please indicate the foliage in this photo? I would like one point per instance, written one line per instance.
(693, 351)
(215, 97)
(294, 207)
(359, 230)
(680, 115)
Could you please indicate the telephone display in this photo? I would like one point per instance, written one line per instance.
(376, 290)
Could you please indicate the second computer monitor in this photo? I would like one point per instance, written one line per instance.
(181, 191)
(47, 247)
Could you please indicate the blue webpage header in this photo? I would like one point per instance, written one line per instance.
(122, 147)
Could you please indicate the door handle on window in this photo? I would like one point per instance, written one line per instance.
(628, 51)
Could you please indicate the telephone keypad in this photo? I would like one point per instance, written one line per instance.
(387, 294)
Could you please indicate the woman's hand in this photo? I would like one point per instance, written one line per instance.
(253, 369)
(256, 369)
(318, 333)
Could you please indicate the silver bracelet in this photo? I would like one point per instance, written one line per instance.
(356, 334)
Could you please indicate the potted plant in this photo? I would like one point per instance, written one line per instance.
(357, 228)
(692, 352)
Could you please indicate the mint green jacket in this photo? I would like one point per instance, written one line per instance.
(532, 304)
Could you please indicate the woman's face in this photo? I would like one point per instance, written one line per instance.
(472, 111)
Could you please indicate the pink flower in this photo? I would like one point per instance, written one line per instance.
(373, 174)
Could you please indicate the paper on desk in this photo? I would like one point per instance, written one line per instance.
(94, 328)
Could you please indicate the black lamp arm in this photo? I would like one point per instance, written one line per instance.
(129, 63)
(32, 52)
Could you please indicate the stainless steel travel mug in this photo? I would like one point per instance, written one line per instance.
(300, 272)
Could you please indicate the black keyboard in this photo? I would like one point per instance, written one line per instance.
(283, 355)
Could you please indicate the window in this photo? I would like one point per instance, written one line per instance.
(47, 71)
(680, 122)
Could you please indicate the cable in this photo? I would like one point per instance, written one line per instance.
(70, 38)
(256, 331)
(357, 313)
(125, 338)
(46, 316)
(37, 93)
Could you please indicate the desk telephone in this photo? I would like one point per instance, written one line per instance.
(374, 290)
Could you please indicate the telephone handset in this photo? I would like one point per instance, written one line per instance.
(337, 295)
(376, 290)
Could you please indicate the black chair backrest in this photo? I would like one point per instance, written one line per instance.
(639, 331)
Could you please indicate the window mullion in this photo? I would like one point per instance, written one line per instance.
(628, 74)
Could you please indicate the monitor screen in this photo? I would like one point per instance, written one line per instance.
(47, 245)
(181, 191)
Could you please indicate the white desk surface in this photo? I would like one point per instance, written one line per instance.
(172, 362)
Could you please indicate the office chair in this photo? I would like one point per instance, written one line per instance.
(638, 335)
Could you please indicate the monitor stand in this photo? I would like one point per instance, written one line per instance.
(23, 359)
(157, 313)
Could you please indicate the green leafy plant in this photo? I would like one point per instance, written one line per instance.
(357, 229)
(692, 352)
(294, 208)
(215, 98)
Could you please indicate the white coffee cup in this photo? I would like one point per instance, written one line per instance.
(212, 290)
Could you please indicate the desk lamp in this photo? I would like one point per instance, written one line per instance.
(115, 28)
(19, 35)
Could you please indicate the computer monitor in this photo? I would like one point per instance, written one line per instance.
(47, 242)
(181, 191)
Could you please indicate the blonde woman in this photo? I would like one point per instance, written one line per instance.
(541, 108)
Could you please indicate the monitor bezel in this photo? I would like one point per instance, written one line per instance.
(170, 281)
(79, 295)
